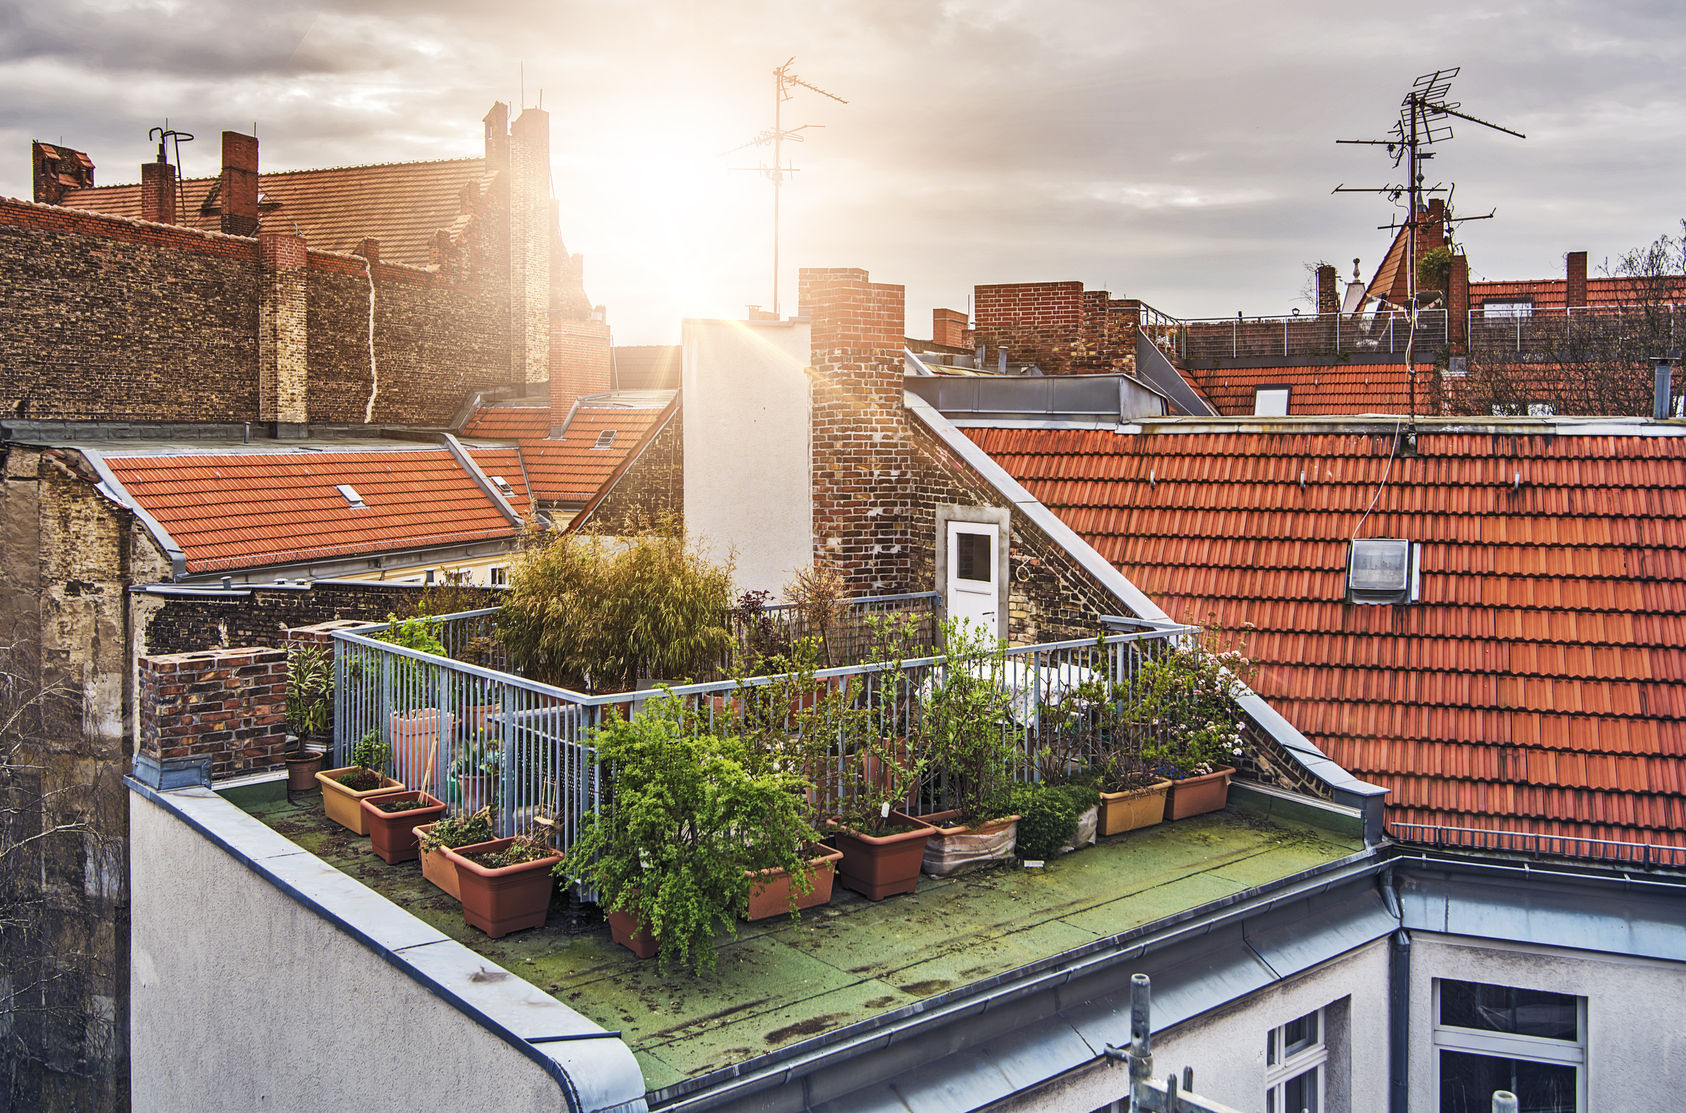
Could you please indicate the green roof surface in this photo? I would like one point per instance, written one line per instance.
(781, 982)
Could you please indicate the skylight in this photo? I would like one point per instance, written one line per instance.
(500, 484)
(1379, 571)
(605, 439)
(351, 496)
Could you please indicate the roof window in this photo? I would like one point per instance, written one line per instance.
(1270, 401)
(1382, 570)
(499, 482)
(351, 496)
(605, 439)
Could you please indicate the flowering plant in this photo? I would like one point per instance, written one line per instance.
(1188, 697)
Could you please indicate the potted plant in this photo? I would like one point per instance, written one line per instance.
(1047, 820)
(1109, 731)
(1188, 697)
(344, 789)
(476, 774)
(432, 840)
(505, 884)
(1065, 761)
(688, 824)
(967, 730)
(309, 712)
(393, 817)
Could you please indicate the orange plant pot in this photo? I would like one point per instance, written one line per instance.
(878, 866)
(1133, 809)
(771, 895)
(1198, 795)
(507, 898)
(342, 805)
(392, 835)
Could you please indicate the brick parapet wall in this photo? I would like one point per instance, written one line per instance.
(225, 705)
(1059, 326)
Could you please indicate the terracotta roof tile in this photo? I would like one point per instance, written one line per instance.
(1344, 388)
(400, 204)
(508, 423)
(1540, 682)
(569, 470)
(253, 509)
(505, 463)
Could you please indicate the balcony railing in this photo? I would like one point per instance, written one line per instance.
(1592, 332)
(1646, 855)
(537, 738)
(1325, 334)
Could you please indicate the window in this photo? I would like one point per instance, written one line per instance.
(1494, 1037)
(605, 439)
(1270, 401)
(1511, 307)
(500, 575)
(1296, 1056)
(354, 499)
(1381, 570)
(974, 556)
(502, 484)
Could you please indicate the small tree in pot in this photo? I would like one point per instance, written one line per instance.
(309, 711)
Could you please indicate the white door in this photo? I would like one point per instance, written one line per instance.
(974, 577)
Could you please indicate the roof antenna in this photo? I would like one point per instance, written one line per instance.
(1424, 119)
(783, 82)
(175, 139)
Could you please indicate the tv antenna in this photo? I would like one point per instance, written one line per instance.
(167, 134)
(784, 82)
(1425, 118)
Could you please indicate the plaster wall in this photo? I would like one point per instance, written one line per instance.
(1226, 1046)
(1636, 1045)
(746, 426)
(240, 990)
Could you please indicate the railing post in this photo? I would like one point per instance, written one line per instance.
(1141, 1037)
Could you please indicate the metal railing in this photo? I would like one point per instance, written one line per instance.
(452, 722)
(849, 637)
(1647, 855)
(1239, 338)
(1579, 333)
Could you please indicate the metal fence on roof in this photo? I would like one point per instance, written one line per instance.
(1242, 338)
(1647, 855)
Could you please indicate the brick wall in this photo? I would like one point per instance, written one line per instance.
(860, 470)
(1059, 326)
(579, 363)
(227, 705)
(948, 327)
(651, 489)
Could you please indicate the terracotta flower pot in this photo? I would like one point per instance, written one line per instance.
(393, 834)
(625, 929)
(955, 850)
(1198, 795)
(1134, 808)
(877, 866)
(302, 767)
(341, 803)
(508, 898)
(435, 866)
(771, 895)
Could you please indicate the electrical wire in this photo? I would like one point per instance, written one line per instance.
(1382, 486)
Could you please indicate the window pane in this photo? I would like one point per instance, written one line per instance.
(1299, 1094)
(1498, 1008)
(972, 553)
(1299, 1034)
(1467, 1083)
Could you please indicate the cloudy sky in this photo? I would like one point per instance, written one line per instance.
(1181, 153)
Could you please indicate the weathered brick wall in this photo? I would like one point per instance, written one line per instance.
(225, 705)
(115, 319)
(650, 490)
(861, 454)
(579, 363)
(1059, 326)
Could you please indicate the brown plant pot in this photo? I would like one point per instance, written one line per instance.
(1134, 808)
(435, 866)
(392, 835)
(955, 850)
(1088, 824)
(771, 895)
(625, 929)
(302, 768)
(1198, 795)
(509, 898)
(878, 866)
(341, 804)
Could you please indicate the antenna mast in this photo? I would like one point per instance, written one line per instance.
(783, 83)
(1424, 119)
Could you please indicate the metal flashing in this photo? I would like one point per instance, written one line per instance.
(114, 490)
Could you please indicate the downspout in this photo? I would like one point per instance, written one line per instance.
(1398, 1004)
(374, 375)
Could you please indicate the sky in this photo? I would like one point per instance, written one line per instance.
(1179, 153)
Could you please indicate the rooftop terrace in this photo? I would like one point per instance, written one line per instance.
(852, 966)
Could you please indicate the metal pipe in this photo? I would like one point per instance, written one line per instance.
(1504, 1102)
(1399, 1022)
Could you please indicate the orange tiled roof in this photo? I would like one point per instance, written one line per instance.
(1341, 388)
(505, 463)
(253, 509)
(508, 423)
(401, 204)
(570, 470)
(1540, 683)
(1551, 293)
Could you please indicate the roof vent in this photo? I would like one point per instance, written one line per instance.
(351, 496)
(605, 439)
(1380, 571)
(500, 484)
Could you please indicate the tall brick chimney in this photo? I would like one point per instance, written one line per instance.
(1328, 300)
(158, 189)
(283, 333)
(497, 137)
(1574, 293)
(1457, 302)
(862, 448)
(532, 225)
(237, 191)
(579, 364)
(948, 327)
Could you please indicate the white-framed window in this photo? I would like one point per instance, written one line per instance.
(1531, 1042)
(500, 575)
(1270, 401)
(1296, 1065)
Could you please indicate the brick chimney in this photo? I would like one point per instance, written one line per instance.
(283, 333)
(579, 364)
(1457, 302)
(158, 189)
(948, 327)
(58, 170)
(1574, 293)
(237, 191)
(1328, 300)
(497, 137)
(862, 455)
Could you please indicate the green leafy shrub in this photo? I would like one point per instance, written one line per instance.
(458, 831)
(688, 817)
(310, 690)
(966, 726)
(1047, 819)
